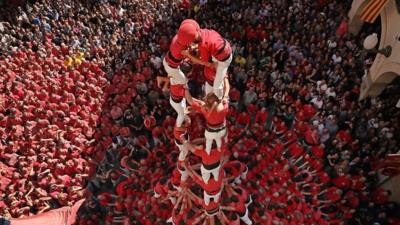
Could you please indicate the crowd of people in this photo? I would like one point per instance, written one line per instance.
(80, 88)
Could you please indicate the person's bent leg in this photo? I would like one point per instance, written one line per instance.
(246, 218)
(208, 88)
(209, 140)
(206, 198)
(180, 110)
(205, 174)
(222, 68)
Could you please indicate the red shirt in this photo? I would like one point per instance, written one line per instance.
(213, 118)
(212, 187)
(243, 119)
(296, 150)
(317, 151)
(179, 133)
(234, 95)
(261, 117)
(177, 91)
(174, 57)
(342, 182)
(344, 136)
(213, 45)
(213, 158)
(332, 194)
(212, 205)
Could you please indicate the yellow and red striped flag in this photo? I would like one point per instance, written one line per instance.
(372, 10)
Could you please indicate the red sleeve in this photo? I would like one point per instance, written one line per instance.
(198, 180)
(174, 56)
(221, 49)
(198, 152)
(196, 106)
(226, 107)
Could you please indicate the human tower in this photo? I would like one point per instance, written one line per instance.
(208, 192)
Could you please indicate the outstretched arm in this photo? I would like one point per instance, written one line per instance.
(227, 88)
(192, 100)
(195, 59)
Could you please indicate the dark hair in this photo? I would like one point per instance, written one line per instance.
(234, 199)
(163, 180)
(233, 216)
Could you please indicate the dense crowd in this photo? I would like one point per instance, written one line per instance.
(80, 99)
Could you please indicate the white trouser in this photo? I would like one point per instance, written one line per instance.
(170, 221)
(175, 74)
(237, 180)
(246, 218)
(177, 188)
(251, 201)
(184, 174)
(176, 77)
(222, 68)
(215, 197)
(156, 195)
(217, 136)
(244, 174)
(180, 110)
(183, 151)
(173, 200)
(205, 174)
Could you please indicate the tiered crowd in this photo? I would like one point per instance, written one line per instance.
(294, 117)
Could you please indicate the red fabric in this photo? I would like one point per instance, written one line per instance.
(187, 32)
(212, 186)
(175, 50)
(214, 157)
(179, 133)
(212, 117)
(211, 44)
(177, 91)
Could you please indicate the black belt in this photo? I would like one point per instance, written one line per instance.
(221, 49)
(183, 169)
(178, 141)
(213, 192)
(212, 130)
(176, 100)
(213, 210)
(211, 166)
(248, 200)
(242, 214)
(173, 58)
(224, 59)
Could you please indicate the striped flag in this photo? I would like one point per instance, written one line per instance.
(372, 10)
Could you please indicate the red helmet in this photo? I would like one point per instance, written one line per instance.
(187, 31)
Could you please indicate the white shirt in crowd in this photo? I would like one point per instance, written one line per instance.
(332, 44)
(336, 58)
(156, 61)
(318, 102)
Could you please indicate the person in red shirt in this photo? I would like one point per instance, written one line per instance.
(212, 189)
(243, 120)
(261, 116)
(238, 206)
(212, 48)
(237, 170)
(177, 78)
(215, 112)
(210, 163)
(210, 208)
(330, 195)
(181, 137)
(231, 219)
